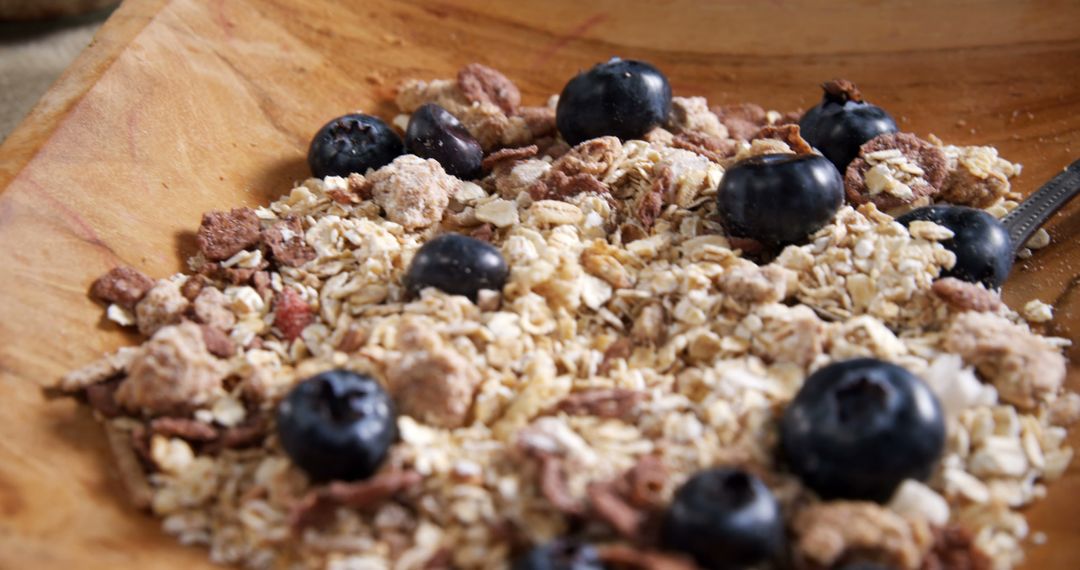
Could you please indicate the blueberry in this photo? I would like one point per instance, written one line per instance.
(622, 98)
(724, 518)
(779, 198)
(560, 554)
(434, 133)
(458, 265)
(984, 252)
(352, 143)
(337, 425)
(842, 122)
(859, 428)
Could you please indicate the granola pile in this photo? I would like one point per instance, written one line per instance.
(634, 344)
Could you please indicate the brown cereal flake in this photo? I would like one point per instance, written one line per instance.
(217, 341)
(224, 234)
(232, 275)
(183, 428)
(742, 120)
(712, 148)
(621, 349)
(286, 241)
(482, 84)
(631, 557)
(541, 120)
(562, 186)
(789, 134)
(630, 232)
(248, 434)
(443, 559)
(123, 285)
(954, 549)
(359, 186)
(645, 482)
(749, 246)
(354, 338)
(651, 203)
(556, 149)
(192, 286)
(102, 397)
(593, 157)
(483, 232)
(842, 90)
(129, 466)
(618, 403)
(894, 169)
(244, 435)
(964, 296)
(508, 154)
(553, 485)
(610, 507)
(315, 507)
(977, 176)
(260, 280)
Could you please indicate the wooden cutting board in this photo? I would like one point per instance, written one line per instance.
(181, 106)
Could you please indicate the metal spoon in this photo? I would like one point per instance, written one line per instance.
(1034, 211)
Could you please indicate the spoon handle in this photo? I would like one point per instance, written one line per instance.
(1043, 203)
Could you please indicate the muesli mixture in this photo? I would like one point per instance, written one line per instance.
(594, 360)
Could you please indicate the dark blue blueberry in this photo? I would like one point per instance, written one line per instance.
(842, 122)
(352, 143)
(724, 518)
(458, 265)
(621, 98)
(560, 554)
(984, 252)
(337, 425)
(859, 428)
(779, 198)
(434, 133)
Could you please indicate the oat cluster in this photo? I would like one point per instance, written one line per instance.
(633, 345)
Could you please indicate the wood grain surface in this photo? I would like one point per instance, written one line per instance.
(181, 106)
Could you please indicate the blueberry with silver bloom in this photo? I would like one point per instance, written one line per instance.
(858, 428)
(337, 425)
(779, 199)
(458, 265)
(560, 554)
(621, 98)
(435, 133)
(725, 519)
(352, 143)
(842, 122)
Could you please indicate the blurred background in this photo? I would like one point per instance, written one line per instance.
(38, 40)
